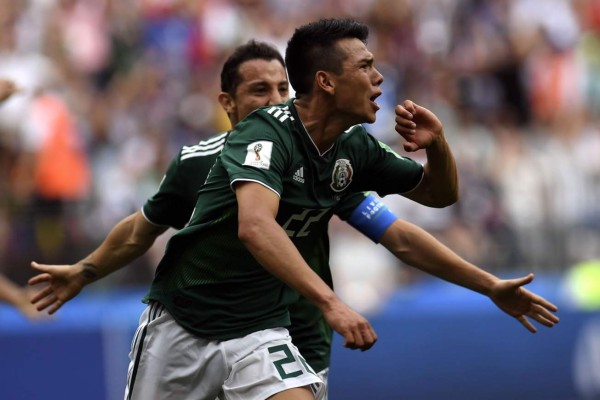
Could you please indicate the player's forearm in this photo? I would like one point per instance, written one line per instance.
(126, 242)
(272, 248)
(441, 175)
(417, 248)
(9, 292)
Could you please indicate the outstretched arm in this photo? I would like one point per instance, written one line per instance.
(272, 248)
(423, 130)
(17, 297)
(419, 249)
(127, 241)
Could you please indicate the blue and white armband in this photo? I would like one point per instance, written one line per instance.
(372, 218)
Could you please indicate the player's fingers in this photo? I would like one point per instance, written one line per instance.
(543, 316)
(55, 307)
(42, 294)
(39, 267)
(370, 337)
(46, 302)
(39, 279)
(404, 117)
(540, 319)
(544, 312)
(359, 342)
(405, 127)
(522, 281)
(406, 133)
(409, 106)
(349, 340)
(410, 147)
(540, 300)
(544, 303)
(528, 325)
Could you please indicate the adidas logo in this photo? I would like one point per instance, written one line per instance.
(299, 175)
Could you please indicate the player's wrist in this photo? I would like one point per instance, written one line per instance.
(438, 142)
(328, 302)
(86, 273)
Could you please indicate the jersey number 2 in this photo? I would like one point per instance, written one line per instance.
(289, 358)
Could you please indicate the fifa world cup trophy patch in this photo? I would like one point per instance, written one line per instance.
(258, 154)
(341, 175)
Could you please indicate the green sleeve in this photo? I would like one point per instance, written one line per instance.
(348, 204)
(170, 205)
(258, 150)
(384, 171)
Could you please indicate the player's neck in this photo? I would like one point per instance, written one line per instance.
(322, 125)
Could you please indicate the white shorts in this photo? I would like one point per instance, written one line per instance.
(168, 362)
(322, 391)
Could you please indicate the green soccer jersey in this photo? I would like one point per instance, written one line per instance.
(208, 280)
(175, 200)
(172, 206)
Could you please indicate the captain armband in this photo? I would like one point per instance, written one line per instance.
(372, 218)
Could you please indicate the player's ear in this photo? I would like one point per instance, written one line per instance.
(324, 82)
(227, 102)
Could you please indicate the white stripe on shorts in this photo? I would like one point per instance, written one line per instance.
(156, 310)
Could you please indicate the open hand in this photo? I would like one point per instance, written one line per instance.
(510, 296)
(64, 283)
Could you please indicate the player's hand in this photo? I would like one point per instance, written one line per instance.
(356, 330)
(7, 88)
(417, 125)
(510, 296)
(64, 283)
(23, 304)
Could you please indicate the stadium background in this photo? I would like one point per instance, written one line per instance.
(126, 83)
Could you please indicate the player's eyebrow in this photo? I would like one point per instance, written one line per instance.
(366, 59)
(369, 60)
(257, 84)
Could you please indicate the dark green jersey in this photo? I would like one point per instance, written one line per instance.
(175, 200)
(207, 279)
(172, 206)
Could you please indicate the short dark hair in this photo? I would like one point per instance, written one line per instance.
(251, 50)
(312, 47)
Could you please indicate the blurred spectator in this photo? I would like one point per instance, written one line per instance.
(50, 176)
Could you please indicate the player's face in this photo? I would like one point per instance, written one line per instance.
(359, 84)
(263, 83)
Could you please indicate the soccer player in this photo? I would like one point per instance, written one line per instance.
(225, 280)
(420, 250)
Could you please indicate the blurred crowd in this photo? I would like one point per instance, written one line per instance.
(110, 90)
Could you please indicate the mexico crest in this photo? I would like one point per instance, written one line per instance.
(341, 175)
